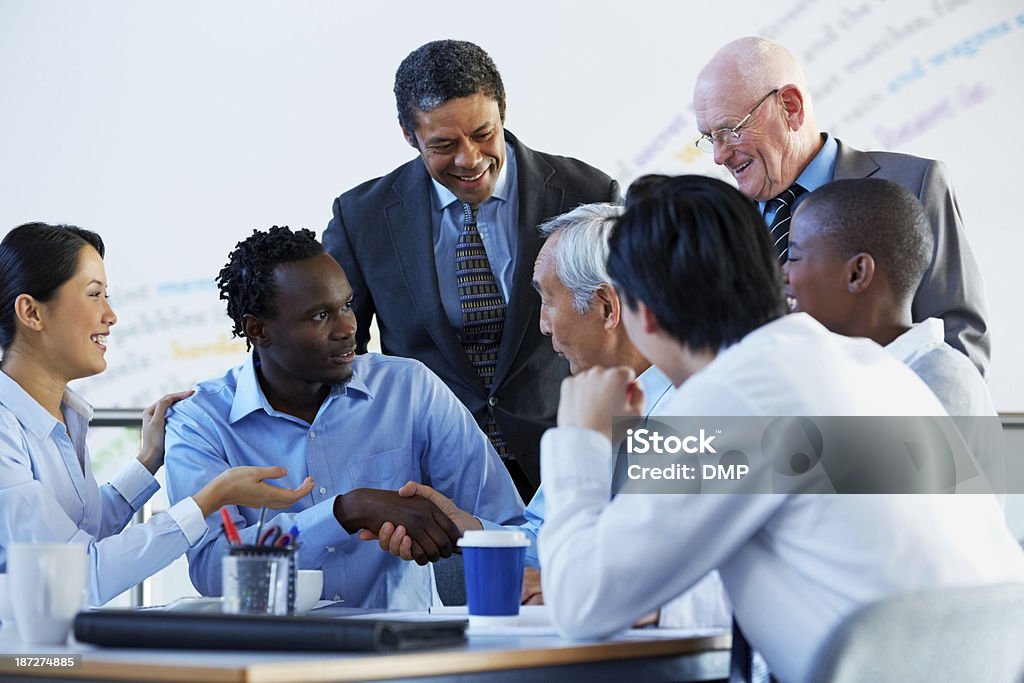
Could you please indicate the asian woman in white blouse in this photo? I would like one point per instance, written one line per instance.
(54, 323)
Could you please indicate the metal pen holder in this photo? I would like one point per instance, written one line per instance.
(254, 596)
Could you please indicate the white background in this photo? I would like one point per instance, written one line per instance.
(175, 128)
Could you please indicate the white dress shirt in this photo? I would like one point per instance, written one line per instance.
(657, 387)
(961, 389)
(793, 565)
(704, 605)
(946, 371)
(48, 495)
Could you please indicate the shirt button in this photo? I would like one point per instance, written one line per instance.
(330, 548)
(337, 597)
(492, 401)
(323, 490)
(312, 434)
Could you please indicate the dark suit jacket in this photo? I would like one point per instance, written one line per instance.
(951, 288)
(382, 233)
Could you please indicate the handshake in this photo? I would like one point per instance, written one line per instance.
(414, 523)
(421, 524)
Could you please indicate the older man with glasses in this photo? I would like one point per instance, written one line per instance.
(776, 152)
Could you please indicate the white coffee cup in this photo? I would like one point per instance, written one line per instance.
(308, 588)
(46, 582)
(6, 608)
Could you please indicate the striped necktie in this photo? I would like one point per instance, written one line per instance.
(483, 313)
(779, 228)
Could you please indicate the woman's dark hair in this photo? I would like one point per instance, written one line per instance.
(36, 259)
(697, 253)
(246, 282)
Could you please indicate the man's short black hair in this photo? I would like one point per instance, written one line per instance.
(246, 282)
(877, 217)
(444, 70)
(697, 253)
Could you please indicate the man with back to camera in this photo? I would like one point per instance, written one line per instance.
(754, 112)
(581, 313)
(360, 425)
(793, 565)
(473, 199)
(857, 251)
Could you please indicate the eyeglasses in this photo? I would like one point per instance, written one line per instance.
(728, 136)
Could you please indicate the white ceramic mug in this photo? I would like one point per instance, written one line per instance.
(6, 608)
(309, 586)
(47, 587)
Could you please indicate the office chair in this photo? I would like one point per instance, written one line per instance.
(951, 635)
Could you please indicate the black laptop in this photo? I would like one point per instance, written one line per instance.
(208, 631)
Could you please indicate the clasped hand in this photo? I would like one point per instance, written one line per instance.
(395, 538)
(432, 534)
(590, 399)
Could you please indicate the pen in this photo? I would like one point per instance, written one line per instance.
(294, 533)
(230, 530)
(259, 526)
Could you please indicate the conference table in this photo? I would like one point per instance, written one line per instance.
(504, 655)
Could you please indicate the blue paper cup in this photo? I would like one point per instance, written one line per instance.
(493, 564)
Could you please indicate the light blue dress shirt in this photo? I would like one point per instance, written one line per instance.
(497, 221)
(392, 422)
(820, 171)
(656, 386)
(48, 495)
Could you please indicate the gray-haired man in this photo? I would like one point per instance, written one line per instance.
(582, 314)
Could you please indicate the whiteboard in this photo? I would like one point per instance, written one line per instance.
(175, 128)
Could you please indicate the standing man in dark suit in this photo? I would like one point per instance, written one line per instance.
(441, 249)
(753, 110)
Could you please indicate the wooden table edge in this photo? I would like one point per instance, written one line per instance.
(398, 665)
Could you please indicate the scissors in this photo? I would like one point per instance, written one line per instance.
(283, 541)
(270, 536)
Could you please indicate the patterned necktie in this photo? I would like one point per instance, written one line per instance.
(483, 312)
(779, 228)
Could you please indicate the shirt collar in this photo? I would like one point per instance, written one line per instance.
(249, 396)
(655, 385)
(925, 334)
(443, 197)
(32, 415)
(822, 167)
(820, 170)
